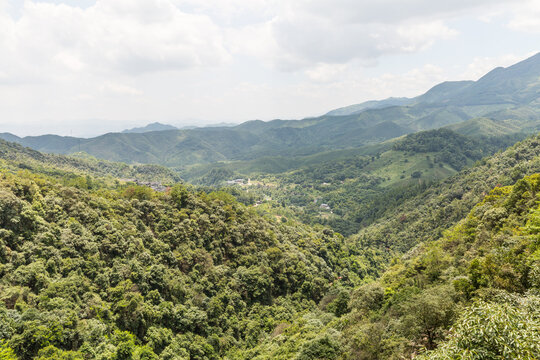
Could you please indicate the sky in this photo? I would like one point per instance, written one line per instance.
(87, 67)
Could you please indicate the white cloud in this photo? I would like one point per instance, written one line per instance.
(325, 73)
(307, 40)
(526, 17)
(120, 36)
(305, 33)
(133, 37)
(300, 34)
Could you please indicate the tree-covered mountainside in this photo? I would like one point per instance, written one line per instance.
(176, 148)
(474, 293)
(507, 97)
(119, 271)
(131, 273)
(426, 216)
(16, 157)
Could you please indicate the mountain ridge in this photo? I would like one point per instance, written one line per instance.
(155, 126)
(512, 91)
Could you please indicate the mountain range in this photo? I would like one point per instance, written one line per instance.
(149, 128)
(505, 99)
(346, 240)
(93, 267)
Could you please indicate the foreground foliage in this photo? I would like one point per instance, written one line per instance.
(133, 273)
(473, 294)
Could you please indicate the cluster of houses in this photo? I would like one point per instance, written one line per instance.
(236, 182)
(239, 182)
(324, 207)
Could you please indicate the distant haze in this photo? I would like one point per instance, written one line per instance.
(85, 68)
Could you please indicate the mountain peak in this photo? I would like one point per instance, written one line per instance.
(156, 126)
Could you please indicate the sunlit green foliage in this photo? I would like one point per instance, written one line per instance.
(91, 269)
(472, 294)
(133, 274)
(506, 329)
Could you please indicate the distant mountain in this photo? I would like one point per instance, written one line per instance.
(507, 96)
(222, 124)
(372, 104)
(149, 128)
(518, 84)
(9, 137)
(245, 142)
(46, 143)
(442, 92)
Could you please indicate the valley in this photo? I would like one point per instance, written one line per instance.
(401, 228)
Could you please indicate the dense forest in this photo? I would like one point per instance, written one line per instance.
(129, 272)
(104, 269)
(474, 293)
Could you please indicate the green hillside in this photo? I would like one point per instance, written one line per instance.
(127, 273)
(14, 157)
(474, 293)
(122, 272)
(206, 145)
(358, 187)
(485, 127)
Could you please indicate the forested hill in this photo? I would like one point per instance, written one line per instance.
(129, 273)
(356, 187)
(16, 157)
(124, 272)
(473, 293)
(508, 98)
(426, 216)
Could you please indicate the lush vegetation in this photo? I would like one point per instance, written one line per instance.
(131, 273)
(118, 271)
(472, 294)
(361, 188)
(16, 157)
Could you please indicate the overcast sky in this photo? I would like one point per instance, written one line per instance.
(86, 67)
